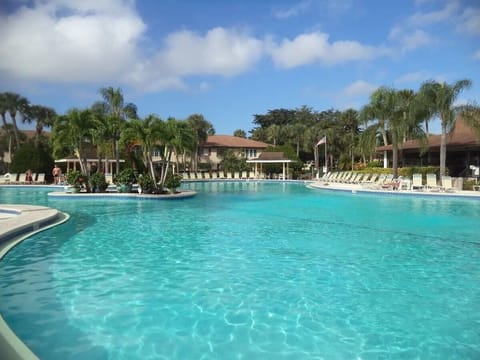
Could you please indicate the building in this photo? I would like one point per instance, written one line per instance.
(215, 147)
(463, 151)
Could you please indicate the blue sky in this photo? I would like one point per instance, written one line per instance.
(231, 59)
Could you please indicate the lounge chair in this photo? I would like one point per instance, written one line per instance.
(432, 183)
(244, 175)
(40, 179)
(185, 176)
(417, 182)
(447, 184)
(21, 178)
(214, 175)
(11, 178)
(2, 179)
(236, 175)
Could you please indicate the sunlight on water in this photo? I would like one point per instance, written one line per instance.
(249, 270)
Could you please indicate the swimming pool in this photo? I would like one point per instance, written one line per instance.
(248, 270)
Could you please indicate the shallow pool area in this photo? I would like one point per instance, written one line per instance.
(248, 270)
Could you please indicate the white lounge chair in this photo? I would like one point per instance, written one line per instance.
(447, 184)
(40, 179)
(22, 178)
(432, 183)
(417, 182)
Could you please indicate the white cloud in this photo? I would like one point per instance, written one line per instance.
(420, 19)
(469, 21)
(89, 41)
(414, 77)
(220, 52)
(409, 40)
(292, 11)
(477, 55)
(359, 88)
(315, 47)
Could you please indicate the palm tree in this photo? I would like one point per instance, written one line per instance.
(471, 115)
(440, 97)
(379, 110)
(202, 128)
(43, 116)
(146, 133)
(71, 132)
(14, 104)
(116, 114)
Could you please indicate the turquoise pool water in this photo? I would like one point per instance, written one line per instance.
(248, 271)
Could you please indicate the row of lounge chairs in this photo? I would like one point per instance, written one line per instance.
(14, 178)
(213, 175)
(387, 182)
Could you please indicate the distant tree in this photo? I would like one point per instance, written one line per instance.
(240, 133)
(116, 112)
(14, 104)
(471, 115)
(145, 133)
(201, 128)
(36, 157)
(439, 98)
(43, 116)
(71, 132)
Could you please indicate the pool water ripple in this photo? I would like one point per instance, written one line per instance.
(250, 271)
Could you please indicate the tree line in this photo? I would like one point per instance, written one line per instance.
(112, 127)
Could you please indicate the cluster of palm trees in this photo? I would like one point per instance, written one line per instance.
(18, 107)
(112, 126)
(390, 118)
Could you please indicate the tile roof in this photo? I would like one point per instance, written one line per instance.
(461, 135)
(233, 142)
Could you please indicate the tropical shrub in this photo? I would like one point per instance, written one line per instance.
(146, 183)
(98, 182)
(172, 182)
(76, 179)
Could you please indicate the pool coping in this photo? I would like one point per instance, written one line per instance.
(357, 188)
(26, 220)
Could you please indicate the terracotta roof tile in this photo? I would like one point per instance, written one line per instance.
(233, 142)
(461, 135)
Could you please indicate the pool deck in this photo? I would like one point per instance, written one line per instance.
(358, 188)
(17, 222)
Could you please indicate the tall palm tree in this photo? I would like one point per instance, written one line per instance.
(471, 115)
(440, 99)
(43, 116)
(117, 112)
(146, 133)
(3, 108)
(201, 128)
(15, 104)
(379, 110)
(70, 132)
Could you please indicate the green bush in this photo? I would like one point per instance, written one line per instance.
(125, 177)
(172, 181)
(76, 179)
(146, 183)
(98, 182)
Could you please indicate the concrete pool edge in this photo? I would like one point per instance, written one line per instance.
(356, 188)
(33, 219)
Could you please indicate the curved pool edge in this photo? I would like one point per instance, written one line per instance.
(25, 221)
(184, 194)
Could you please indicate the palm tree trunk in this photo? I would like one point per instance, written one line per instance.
(443, 148)
(395, 154)
(15, 129)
